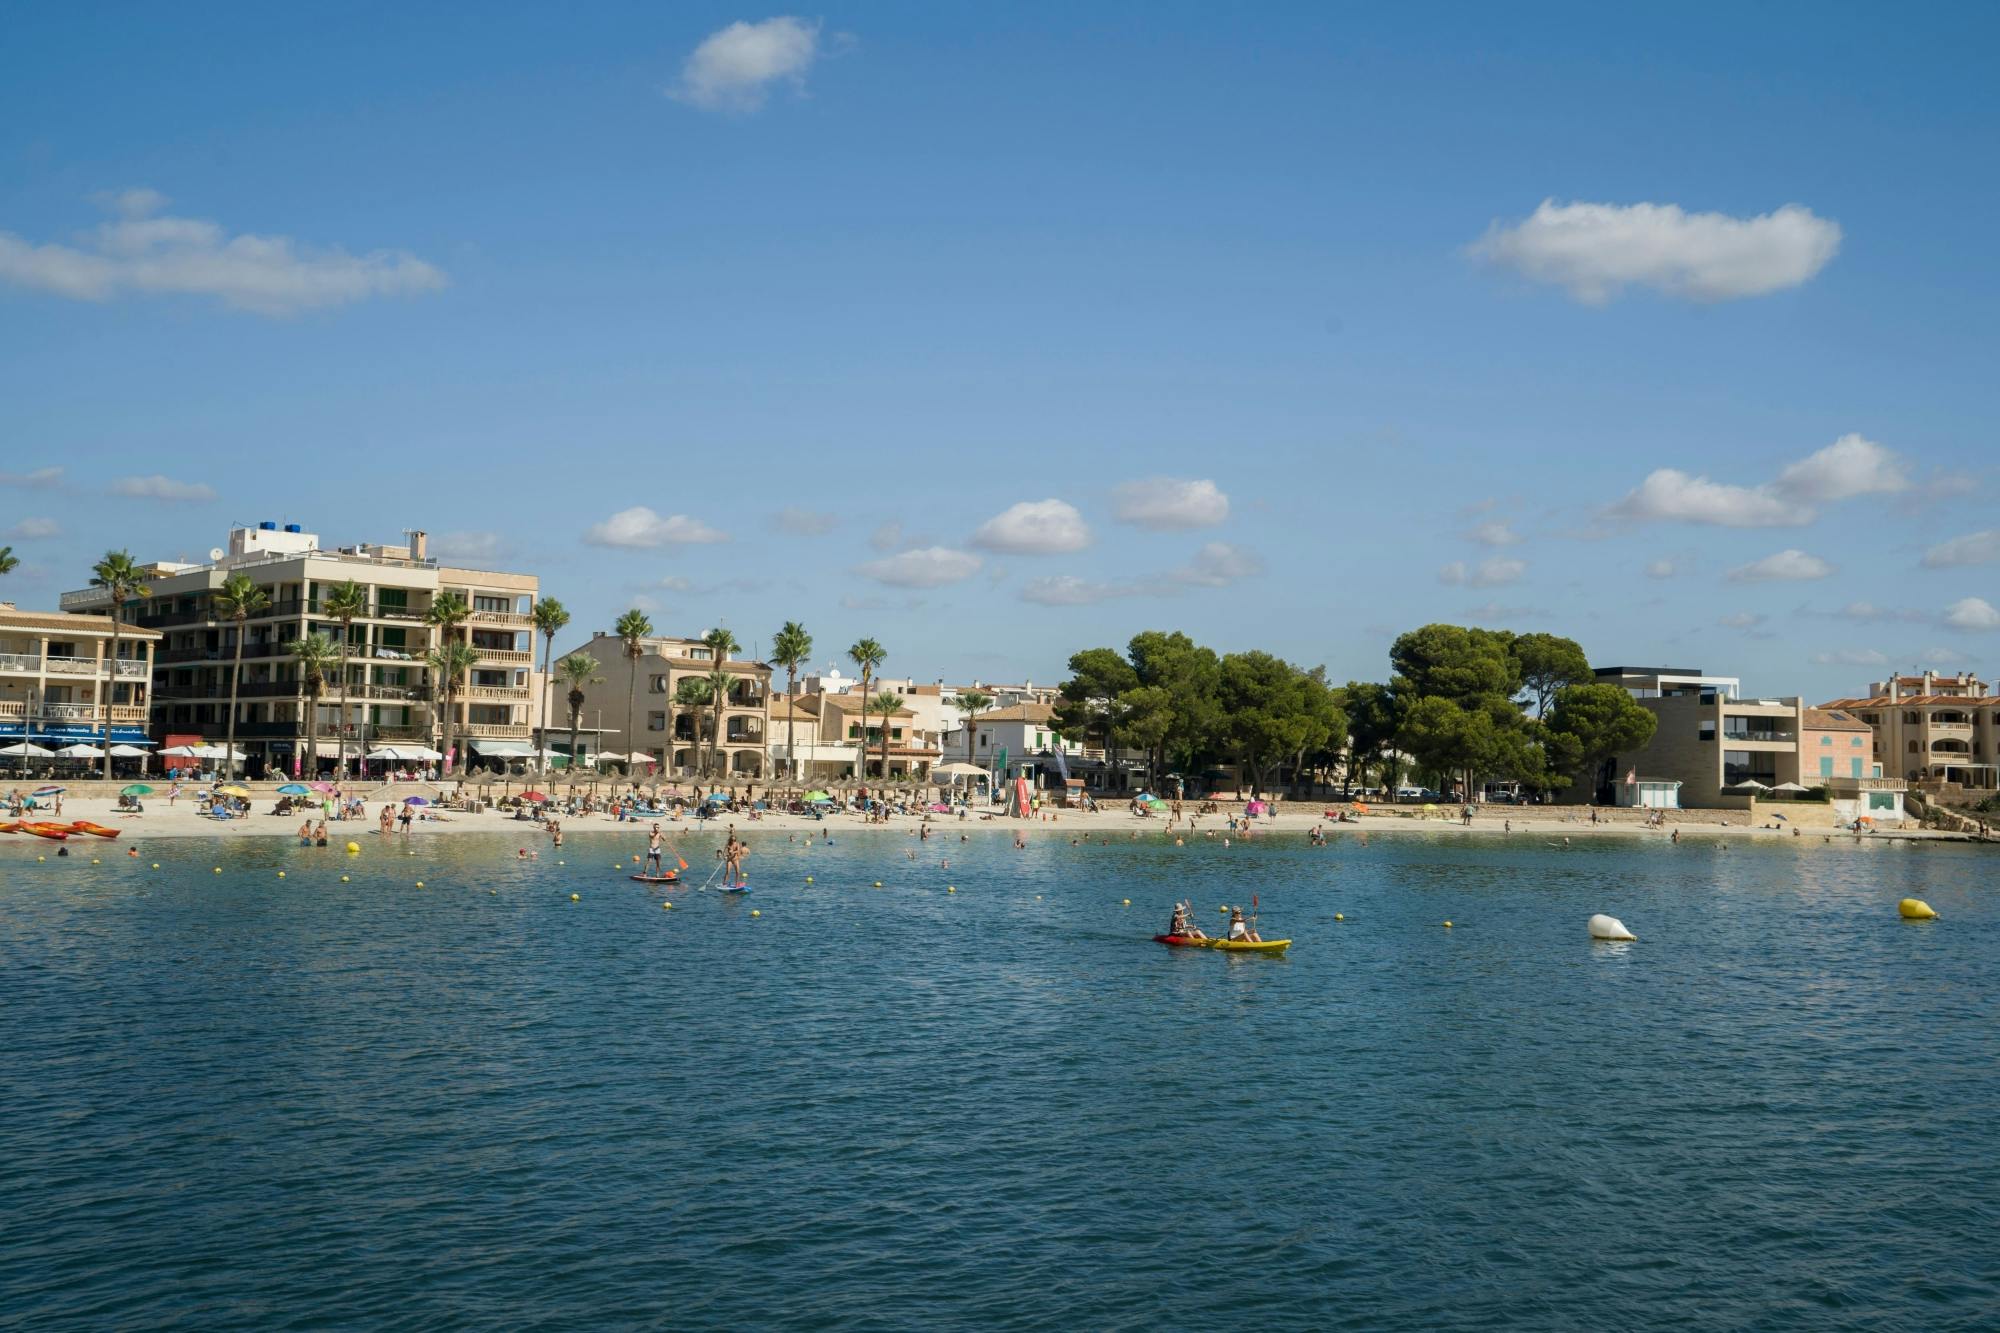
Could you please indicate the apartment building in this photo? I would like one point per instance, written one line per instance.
(847, 747)
(392, 697)
(57, 673)
(678, 740)
(1710, 742)
(1941, 733)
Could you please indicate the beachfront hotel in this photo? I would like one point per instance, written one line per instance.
(675, 740)
(1941, 733)
(57, 674)
(392, 698)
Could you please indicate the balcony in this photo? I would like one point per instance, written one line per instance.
(503, 619)
(513, 694)
(1955, 730)
(495, 730)
(506, 655)
(127, 713)
(402, 613)
(736, 734)
(1758, 736)
(26, 663)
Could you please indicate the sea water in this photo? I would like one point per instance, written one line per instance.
(239, 1101)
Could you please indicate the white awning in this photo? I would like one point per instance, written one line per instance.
(502, 749)
(405, 753)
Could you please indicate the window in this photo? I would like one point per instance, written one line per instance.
(657, 685)
(1708, 730)
(700, 654)
(481, 602)
(1826, 766)
(1913, 747)
(1826, 740)
(1854, 742)
(656, 721)
(1910, 718)
(1854, 766)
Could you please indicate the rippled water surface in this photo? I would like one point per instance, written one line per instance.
(234, 1100)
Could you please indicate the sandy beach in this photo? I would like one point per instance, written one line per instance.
(182, 819)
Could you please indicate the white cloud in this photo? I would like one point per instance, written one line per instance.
(1741, 620)
(1069, 590)
(1848, 467)
(1661, 569)
(1492, 572)
(1974, 548)
(639, 528)
(1595, 251)
(466, 546)
(1217, 565)
(1169, 503)
(1868, 611)
(144, 254)
(1867, 657)
(1974, 613)
(734, 68)
(1790, 565)
(1034, 527)
(1669, 493)
(800, 522)
(35, 529)
(924, 567)
(157, 487)
(41, 479)
(1496, 533)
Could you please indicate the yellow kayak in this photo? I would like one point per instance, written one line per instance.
(1250, 946)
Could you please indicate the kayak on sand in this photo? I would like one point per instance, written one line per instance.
(94, 830)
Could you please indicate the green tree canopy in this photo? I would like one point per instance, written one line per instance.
(1547, 663)
(1588, 724)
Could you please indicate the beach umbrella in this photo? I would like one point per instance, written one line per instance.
(127, 752)
(136, 789)
(232, 790)
(314, 786)
(82, 750)
(533, 796)
(181, 751)
(294, 789)
(1791, 786)
(48, 791)
(415, 800)
(1748, 784)
(817, 796)
(27, 750)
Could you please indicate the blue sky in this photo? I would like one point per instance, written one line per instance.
(747, 316)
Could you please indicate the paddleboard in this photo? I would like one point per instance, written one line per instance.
(657, 879)
(736, 888)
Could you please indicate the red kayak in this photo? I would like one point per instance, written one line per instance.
(1183, 941)
(58, 832)
(94, 830)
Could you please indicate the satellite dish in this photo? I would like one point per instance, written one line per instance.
(215, 553)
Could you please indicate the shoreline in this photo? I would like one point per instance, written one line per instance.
(182, 820)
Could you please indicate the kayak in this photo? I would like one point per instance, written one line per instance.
(1250, 946)
(1183, 942)
(58, 832)
(13, 826)
(95, 830)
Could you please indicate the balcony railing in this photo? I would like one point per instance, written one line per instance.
(495, 730)
(504, 655)
(505, 693)
(75, 712)
(509, 619)
(1770, 736)
(32, 664)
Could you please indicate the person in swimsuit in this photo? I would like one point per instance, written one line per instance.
(653, 847)
(733, 852)
(306, 834)
(404, 819)
(1239, 929)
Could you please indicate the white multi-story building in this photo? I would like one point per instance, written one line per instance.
(391, 697)
(57, 674)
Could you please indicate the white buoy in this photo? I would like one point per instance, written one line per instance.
(1604, 927)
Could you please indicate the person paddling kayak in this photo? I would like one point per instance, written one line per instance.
(1239, 929)
(1182, 927)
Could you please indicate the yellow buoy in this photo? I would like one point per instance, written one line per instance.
(1038, 897)
(1915, 909)
(576, 897)
(1223, 910)
(343, 879)
(218, 870)
(1447, 925)
(41, 858)
(156, 865)
(1339, 917)
(420, 884)
(1128, 902)
(281, 874)
(809, 879)
(668, 906)
(878, 883)
(755, 912)
(951, 888)
(354, 849)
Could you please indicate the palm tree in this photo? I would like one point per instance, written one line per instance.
(344, 603)
(237, 599)
(972, 703)
(633, 629)
(866, 654)
(791, 648)
(576, 671)
(448, 663)
(315, 653)
(9, 562)
(119, 576)
(448, 611)
(886, 703)
(721, 643)
(718, 681)
(693, 694)
(550, 616)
